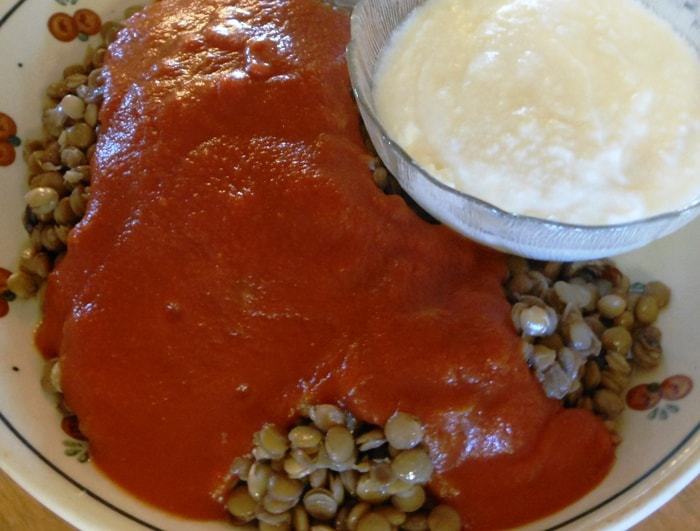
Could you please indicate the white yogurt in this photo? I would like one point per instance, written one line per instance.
(578, 111)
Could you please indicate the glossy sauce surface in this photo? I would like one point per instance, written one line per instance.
(236, 260)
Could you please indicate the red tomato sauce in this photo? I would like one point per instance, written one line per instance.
(236, 260)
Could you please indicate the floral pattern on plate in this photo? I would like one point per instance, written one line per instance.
(8, 139)
(645, 397)
(82, 24)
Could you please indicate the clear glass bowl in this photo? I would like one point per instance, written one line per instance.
(372, 23)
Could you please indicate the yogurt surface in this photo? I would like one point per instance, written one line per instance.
(580, 112)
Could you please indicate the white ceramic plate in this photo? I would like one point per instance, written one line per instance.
(660, 453)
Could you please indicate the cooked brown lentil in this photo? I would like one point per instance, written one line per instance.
(444, 518)
(22, 284)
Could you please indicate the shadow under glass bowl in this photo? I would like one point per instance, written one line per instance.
(373, 21)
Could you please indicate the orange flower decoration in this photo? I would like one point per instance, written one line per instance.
(63, 27)
(88, 21)
(8, 127)
(8, 139)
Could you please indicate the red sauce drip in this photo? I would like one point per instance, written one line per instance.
(236, 259)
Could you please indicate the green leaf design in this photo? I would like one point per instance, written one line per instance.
(654, 412)
(673, 408)
(663, 415)
(637, 287)
(77, 449)
(8, 296)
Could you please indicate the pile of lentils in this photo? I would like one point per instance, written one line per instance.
(586, 327)
(59, 166)
(330, 472)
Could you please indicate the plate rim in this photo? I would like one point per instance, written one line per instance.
(36, 474)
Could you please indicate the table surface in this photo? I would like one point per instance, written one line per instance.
(20, 512)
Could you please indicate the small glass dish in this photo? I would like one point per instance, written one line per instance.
(373, 21)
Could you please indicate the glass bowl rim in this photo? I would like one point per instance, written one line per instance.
(352, 56)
